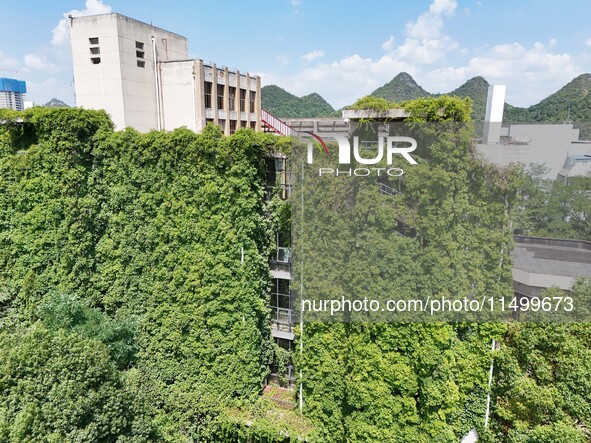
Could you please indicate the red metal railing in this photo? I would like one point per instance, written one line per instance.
(276, 125)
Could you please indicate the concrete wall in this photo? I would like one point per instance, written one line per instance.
(226, 114)
(117, 84)
(536, 143)
(144, 93)
(178, 93)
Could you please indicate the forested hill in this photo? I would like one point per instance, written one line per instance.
(571, 103)
(285, 105)
(401, 87)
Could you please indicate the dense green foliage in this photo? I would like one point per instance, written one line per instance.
(542, 383)
(120, 253)
(400, 382)
(554, 208)
(403, 88)
(372, 382)
(285, 105)
(127, 314)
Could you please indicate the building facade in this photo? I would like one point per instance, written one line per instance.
(143, 77)
(12, 93)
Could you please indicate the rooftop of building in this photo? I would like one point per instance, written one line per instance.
(551, 256)
(116, 14)
(209, 65)
(580, 157)
(13, 85)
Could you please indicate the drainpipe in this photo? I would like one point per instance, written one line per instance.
(157, 85)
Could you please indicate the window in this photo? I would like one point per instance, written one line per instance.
(242, 100)
(94, 50)
(243, 124)
(207, 94)
(253, 96)
(232, 126)
(253, 125)
(222, 123)
(220, 96)
(232, 94)
(139, 53)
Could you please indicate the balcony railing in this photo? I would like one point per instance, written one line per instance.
(282, 319)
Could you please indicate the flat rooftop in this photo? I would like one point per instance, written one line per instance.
(569, 258)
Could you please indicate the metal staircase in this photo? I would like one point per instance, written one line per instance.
(271, 123)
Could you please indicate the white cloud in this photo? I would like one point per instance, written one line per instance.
(7, 61)
(439, 7)
(296, 3)
(388, 45)
(354, 76)
(425, 42)
(35, 62)
(588, 42)
(439, 64)
(312, 55)
(61, 31)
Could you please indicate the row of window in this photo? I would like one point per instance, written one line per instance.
(231, 95)
(95, 51)
(233, 124)
(139, 53)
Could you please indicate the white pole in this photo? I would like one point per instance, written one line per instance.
(301, 294)
(490, 375)
(156, 84)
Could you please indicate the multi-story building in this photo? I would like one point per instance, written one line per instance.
(143, 77)
(12, 94)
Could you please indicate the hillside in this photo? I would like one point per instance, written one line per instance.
(286, 105)
(400, 88)
(570, 103)
(477, 89)
(55, 103)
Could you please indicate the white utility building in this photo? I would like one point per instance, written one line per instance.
(143, 77)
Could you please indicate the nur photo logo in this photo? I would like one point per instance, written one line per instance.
(388, 146)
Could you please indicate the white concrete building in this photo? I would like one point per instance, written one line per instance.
(575, 166)
(549, 144)
(12, 93)
(143, 77)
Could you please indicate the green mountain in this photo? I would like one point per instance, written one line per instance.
(55, 103)
(570, 103)
(477, 89)
(400, 88)
(285, 105)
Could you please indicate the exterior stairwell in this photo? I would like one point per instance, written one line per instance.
(271, 123)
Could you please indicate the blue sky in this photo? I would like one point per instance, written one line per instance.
(342, 50)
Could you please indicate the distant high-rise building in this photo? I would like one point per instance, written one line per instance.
(143, 77)
(12, 94)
